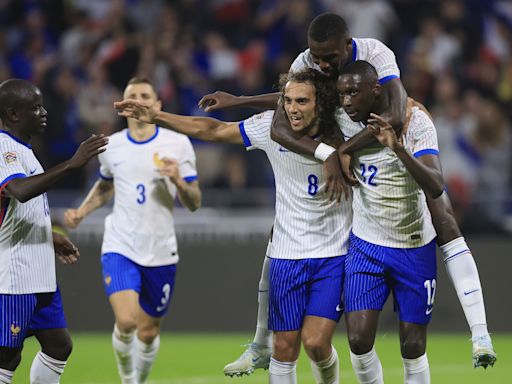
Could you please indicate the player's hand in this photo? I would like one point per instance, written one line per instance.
(346, 168)
(72, 218)
(89, 148)
(217, 100)
(383, 131)
(335, 185)
(170, 167)
(134, 109)
(65, 250)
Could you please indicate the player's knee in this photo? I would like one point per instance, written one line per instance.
(285, 349)
(10, 358)
(316, 347)
(413, 347)
(360, 343)
(60, 347)
(126, 324)
(148, 334)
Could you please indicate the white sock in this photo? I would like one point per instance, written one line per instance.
(146, 355)
(328, 370)
(281, 372)
(367, 367)
(463, 273)
(6, 376)
(124, 352)
(263, 335)
(46, 369)
(416, 371)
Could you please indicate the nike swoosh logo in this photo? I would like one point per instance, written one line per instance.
(428, 311)
(281, 149)
(470, 292)
(33, 171)
(338, 308)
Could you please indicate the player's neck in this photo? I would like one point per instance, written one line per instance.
(142, 132)
(17, 134)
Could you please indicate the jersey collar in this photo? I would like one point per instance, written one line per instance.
(144, 141)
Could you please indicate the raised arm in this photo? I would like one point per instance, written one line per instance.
(222, 100)
(203, 128)
(26, 188)
(426, 169)
(101, 192)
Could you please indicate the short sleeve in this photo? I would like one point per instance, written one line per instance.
(421, 135)
(255, 130)
(105, 172)
(11, 160)
(384, 61)
(187, 162)
(300, 63)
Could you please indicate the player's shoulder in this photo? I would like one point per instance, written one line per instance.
(419, 117)
(118, 137)
(171, 136)
(261, 119)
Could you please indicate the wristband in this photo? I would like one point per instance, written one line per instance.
(323, 151)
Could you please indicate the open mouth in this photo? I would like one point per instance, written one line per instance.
(295, 121)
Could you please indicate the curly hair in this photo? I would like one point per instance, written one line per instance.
(327, 101)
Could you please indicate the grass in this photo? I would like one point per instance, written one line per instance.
(199, 359)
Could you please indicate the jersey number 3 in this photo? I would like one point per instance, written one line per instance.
(141, 199)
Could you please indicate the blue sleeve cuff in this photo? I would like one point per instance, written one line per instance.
(190, 179)
(11, 177)
(106, 177)
(426, 152)
(384, 80)
(247, 142)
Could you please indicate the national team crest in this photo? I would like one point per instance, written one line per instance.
(10, 157)
(108, 280)
(15, 329)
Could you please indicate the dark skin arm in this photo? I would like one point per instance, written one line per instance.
(222, 100)
(26, 188)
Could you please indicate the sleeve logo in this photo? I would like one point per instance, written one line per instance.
(10, 157)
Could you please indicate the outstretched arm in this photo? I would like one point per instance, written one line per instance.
(222, 100)
(101, 192)
(203, 128)
(26, 188)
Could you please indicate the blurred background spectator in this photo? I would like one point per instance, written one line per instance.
(456, 59)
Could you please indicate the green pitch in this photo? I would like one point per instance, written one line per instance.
(199, 359)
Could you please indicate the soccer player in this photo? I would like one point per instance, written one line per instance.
(30, 299)
(144, 168)
(330, 49)
(310, 232)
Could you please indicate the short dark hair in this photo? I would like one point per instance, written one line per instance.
(139, 80)
(327, 26)
(327, 100)
(14, 92)
(362, 68)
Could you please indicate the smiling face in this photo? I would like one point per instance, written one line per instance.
(331, 54)
(357, 97)
(300, 106)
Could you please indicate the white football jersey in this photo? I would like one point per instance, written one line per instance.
(141, 226)
(27, 257)
(307, 225)
(389, 206)
(373, 51)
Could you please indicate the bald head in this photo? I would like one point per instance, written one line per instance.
(16, 93)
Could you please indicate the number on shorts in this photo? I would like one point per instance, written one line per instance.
(430, 286)
(166, 290)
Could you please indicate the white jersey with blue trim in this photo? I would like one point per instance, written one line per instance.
(307, 225)
(141, 226)
(389, 206)
(27, 256)
(371, 50)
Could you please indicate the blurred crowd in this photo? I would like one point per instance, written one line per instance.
(455, 57)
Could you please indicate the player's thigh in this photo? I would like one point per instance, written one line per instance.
(316, 335)
(157, 286)
(365, 287)
(286, 345)
(326, 288)
(288, 294)
(125, 305)
(10, 358)
(413, 272)
(55, 342)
